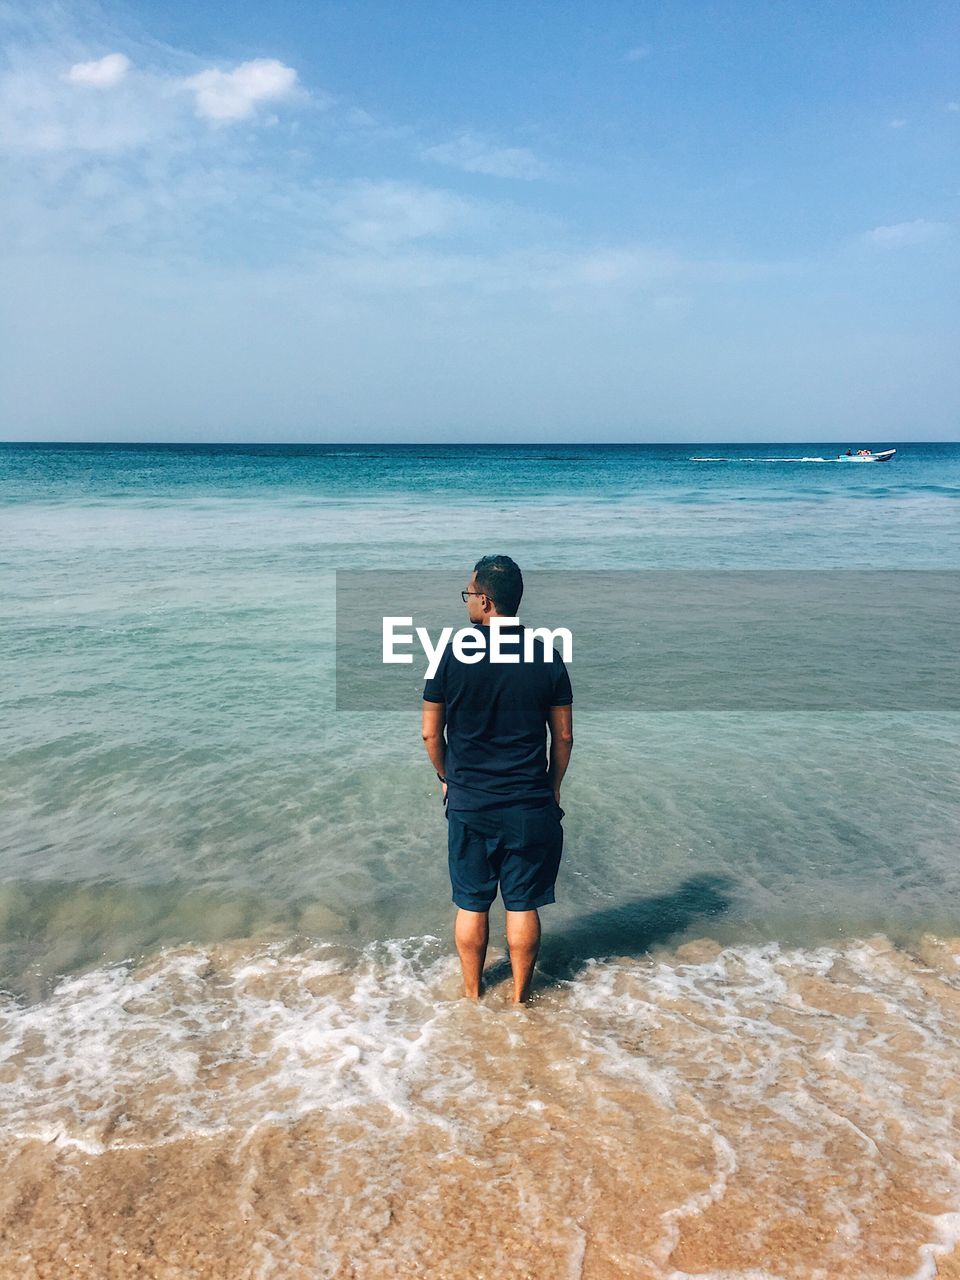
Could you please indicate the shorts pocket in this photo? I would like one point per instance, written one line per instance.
(540, 827)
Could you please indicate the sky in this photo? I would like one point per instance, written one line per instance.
(292, 221)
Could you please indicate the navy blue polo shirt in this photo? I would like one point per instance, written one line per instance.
(496, 720)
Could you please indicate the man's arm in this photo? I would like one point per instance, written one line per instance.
(561, 745)
(434, 718)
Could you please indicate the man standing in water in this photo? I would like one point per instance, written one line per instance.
(502, 796)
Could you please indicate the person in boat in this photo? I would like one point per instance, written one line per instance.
(863, 453)
(849, 453)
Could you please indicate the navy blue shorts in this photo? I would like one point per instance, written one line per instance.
(518, 848)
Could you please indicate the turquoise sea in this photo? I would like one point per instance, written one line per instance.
(225, 914)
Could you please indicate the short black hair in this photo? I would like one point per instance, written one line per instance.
(500, 578)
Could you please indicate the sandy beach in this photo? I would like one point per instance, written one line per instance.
(749, 1112)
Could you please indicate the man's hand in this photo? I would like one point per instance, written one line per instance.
(434, 719)
(561, 744)
(444, 791)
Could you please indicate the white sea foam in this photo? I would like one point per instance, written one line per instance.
(831, 1057)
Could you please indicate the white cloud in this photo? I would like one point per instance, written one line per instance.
(626, 266)
(919, 231)
(234, 95)
(639, 267)
(638, 53)
(897, 123)
(106, 106)
(382, 214)
(103, 73)
(42, 113)
(473, 154)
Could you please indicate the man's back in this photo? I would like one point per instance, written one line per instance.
(496, 718)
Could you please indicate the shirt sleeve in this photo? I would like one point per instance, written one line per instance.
(562, 691)
(434, 689)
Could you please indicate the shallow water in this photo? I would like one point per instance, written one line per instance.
(230, 1039)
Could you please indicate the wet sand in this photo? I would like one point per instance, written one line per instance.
(258, 1112)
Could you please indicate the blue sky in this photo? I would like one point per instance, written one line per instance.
(687, 221)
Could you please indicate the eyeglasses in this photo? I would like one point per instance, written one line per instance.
(464, 594)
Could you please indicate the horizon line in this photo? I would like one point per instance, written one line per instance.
(457, 444)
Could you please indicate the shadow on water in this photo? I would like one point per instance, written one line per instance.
(630, 929)
(54, 929)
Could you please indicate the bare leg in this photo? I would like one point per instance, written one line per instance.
(523, 940)
(471, 932)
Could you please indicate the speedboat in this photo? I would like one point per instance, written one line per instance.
(884, 456)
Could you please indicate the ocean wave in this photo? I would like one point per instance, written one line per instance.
(752, 1110)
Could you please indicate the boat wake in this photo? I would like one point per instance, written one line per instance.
(884, 456)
